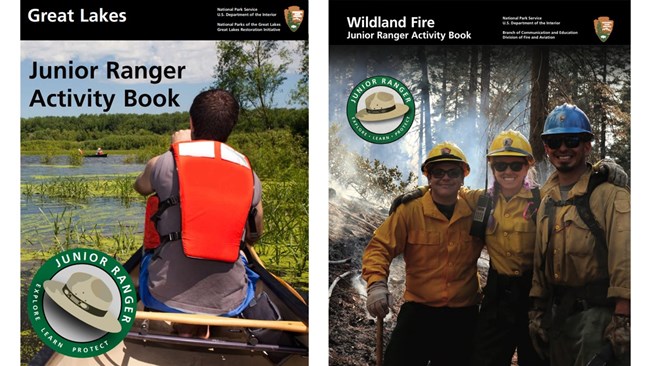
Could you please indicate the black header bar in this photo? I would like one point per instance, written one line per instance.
(504, 22)
(149, 20)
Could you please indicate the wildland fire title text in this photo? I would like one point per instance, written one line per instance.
(385, 28)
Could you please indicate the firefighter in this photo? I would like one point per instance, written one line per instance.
(581, 272)
(509, 234)
(437, 320)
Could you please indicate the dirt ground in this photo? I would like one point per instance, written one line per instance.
(353, 332)
(352, 339)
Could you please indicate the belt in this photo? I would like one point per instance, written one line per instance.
(573, 300)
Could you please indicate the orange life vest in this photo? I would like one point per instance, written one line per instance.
(151, 239)
(216, 189)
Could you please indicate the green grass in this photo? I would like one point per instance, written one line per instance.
(83, 187)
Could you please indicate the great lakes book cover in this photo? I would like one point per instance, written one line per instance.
(102, 89)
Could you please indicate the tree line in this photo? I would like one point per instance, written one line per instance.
(137, 131)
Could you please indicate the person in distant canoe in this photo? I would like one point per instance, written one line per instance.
(182, 274)
(99, 151)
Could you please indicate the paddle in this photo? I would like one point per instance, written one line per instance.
(204, 319)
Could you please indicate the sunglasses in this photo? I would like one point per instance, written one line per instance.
(570, 142)
(451, 173)
(514, 166)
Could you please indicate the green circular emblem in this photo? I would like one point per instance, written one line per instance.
(82, 303)
(380, 109)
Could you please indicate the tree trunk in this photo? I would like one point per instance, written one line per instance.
(603, 115)
(538, 100)
(473, 81)
(444, 94)
(485, 82)
(425, 103)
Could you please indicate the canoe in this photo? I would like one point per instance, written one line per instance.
(151, 340)
(96, 156)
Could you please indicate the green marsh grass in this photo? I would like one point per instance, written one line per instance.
(75, 158)
(67, 231)
(284, 245)
(48, 157)
(125, 241)
(83, 188)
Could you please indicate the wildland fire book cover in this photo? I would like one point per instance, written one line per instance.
(102, 89)
(402, 80)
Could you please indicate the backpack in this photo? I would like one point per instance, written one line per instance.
(584, 211)
(484, 207)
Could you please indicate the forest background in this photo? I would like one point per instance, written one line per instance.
(467, 95)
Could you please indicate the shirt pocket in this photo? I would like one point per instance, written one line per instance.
(423, 250)
(622, 208)
(524, 242)
(578, 239)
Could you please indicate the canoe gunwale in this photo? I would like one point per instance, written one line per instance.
(214, 343)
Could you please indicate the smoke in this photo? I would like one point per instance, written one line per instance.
(396, 285)
(470, 135)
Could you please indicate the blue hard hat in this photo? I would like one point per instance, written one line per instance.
(567, 118)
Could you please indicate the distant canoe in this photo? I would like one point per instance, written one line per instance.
(96, 156)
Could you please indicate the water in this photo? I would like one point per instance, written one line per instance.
(107, 215)
(31, 168)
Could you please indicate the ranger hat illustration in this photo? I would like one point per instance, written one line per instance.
(87, 298)
(381, 106)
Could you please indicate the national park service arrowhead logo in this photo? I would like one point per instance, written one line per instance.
(603, 27)
(293, 16)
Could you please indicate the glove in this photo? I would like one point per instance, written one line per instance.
(406, 197)
(618, 334)
(379, 299)
(538, 335)
(615, 173)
